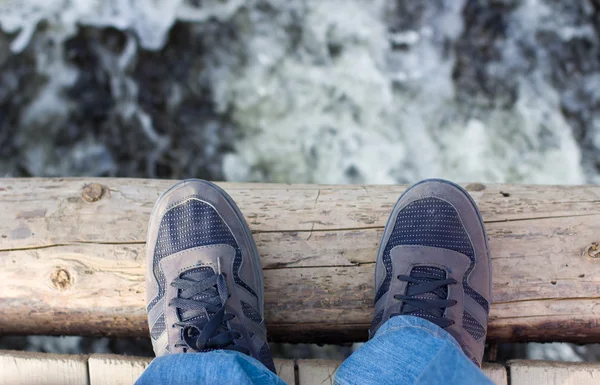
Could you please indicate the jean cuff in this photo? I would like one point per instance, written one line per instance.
(408, 321)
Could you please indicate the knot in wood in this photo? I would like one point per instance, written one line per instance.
(61, 279)
(93, 192)
(593, 251)
(475, 187)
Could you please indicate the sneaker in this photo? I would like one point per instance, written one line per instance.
(204, 282)
(434, 263)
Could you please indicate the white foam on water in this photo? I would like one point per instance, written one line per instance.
(151, 20)
(390, 116)
(332, 102)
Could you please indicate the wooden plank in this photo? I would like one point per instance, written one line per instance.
(84, 259)
(27, 368)
(113, 369)
(286, 370)
(312, 372)
(524, 372)
(496, 373)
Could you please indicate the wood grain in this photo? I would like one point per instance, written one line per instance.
(27, 368)
(112, 369)
(524, 372)
(496, 373)
(286, 370)
(317, 371)
(72, 263)
(312, 372)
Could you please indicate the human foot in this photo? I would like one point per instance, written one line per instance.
(434, 263)
(204, 282)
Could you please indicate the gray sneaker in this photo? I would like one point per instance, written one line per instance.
(434, 263)
(204, 282)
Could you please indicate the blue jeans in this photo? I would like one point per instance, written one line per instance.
(405, 350)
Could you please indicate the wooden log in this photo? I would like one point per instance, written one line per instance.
(72, 253)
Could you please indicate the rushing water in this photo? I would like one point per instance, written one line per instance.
(329, 91)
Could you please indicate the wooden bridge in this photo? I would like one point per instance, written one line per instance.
(72, 262)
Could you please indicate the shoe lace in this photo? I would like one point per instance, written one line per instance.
(426, 295)
(200, 303)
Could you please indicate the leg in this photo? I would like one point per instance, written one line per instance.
(204, 289)
(433, 289)
(410, 350)
(216, 367)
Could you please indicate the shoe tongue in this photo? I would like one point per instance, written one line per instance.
(198, 273)
(426, 274)
(211, 295)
